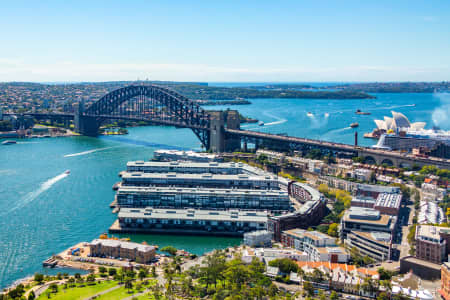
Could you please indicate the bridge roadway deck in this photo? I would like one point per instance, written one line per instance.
(362, 151)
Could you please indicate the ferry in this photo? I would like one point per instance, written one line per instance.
(67, 172)
(354, 125)
(359, 112)
(260, 123)
(9, 142)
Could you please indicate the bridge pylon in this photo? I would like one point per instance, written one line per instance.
(219, 142)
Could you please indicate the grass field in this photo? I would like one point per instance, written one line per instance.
(78, 292)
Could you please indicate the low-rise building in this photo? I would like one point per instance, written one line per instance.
(318, 246)
(260, 238)
(430, 213)
(445, 281)
(388, 203)
(431, 243)
(376, 245)
(367, 220)
(120, 249)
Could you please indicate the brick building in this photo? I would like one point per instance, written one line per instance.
(114, 248)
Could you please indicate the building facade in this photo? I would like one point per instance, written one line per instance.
(119, 249)
(430, 245)
(273, 200)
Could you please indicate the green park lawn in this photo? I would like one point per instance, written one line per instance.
(78, 292)
(122, 292)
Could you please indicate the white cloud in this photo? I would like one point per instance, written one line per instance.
(20, 70)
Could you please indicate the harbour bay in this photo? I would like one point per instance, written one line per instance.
(43, 212)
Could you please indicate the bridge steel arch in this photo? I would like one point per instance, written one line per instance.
(176, 110)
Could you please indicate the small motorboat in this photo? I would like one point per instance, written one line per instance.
(260, 123)
(359, 112)
(9, 142)
(354, 125)
(309, 114)
(67, 172)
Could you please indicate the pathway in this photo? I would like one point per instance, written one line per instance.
(104, 292)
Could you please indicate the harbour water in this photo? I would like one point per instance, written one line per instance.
(44, 211)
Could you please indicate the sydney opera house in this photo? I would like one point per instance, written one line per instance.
(399, 122)
(398, 133)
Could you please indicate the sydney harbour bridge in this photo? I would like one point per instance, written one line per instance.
(218, 131)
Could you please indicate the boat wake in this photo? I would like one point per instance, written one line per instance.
(86, 152)
(278, 120)
(34, 194)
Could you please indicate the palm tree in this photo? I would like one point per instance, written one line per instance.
(128, 284)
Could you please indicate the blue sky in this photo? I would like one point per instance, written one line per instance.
(298, 41)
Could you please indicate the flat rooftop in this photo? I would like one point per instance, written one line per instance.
(196, 165)
(206, 176)
(375, 236)
(389, 200)
(314, 235)
(122, 244)
(429, 232)
(182, 190)
(366, 216)
(194, 214)
(378, 188)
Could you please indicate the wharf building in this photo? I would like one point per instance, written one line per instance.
(202, 198)
(228, 168)
(170, 155)
(241, 181)
(317, 246)
(189, 221)
(120, 249)
(432, 243)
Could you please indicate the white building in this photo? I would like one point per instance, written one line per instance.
(261, 238)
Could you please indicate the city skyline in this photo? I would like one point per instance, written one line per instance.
(231, 42)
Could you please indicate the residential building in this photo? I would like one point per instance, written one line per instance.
(445, 281)
(260, 238)
(430, 244)
(367, 220)
(120, 249)
(430, 213)
(311, 213)
(318, 246)
(376, 245)
(304, 192)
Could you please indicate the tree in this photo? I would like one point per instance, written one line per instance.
(102, 269)
(90, 278)
(71, 281)
(142, 273)
(382, 296)
(154, 271)
(54, 288)
(334, 296)
(285, 265)
(333, 230)
(308, 287)
(128, 284)
(77, 275)
(170, 250)
(31, 296)
(39, 278)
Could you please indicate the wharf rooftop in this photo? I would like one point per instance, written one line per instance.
(193, 167)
